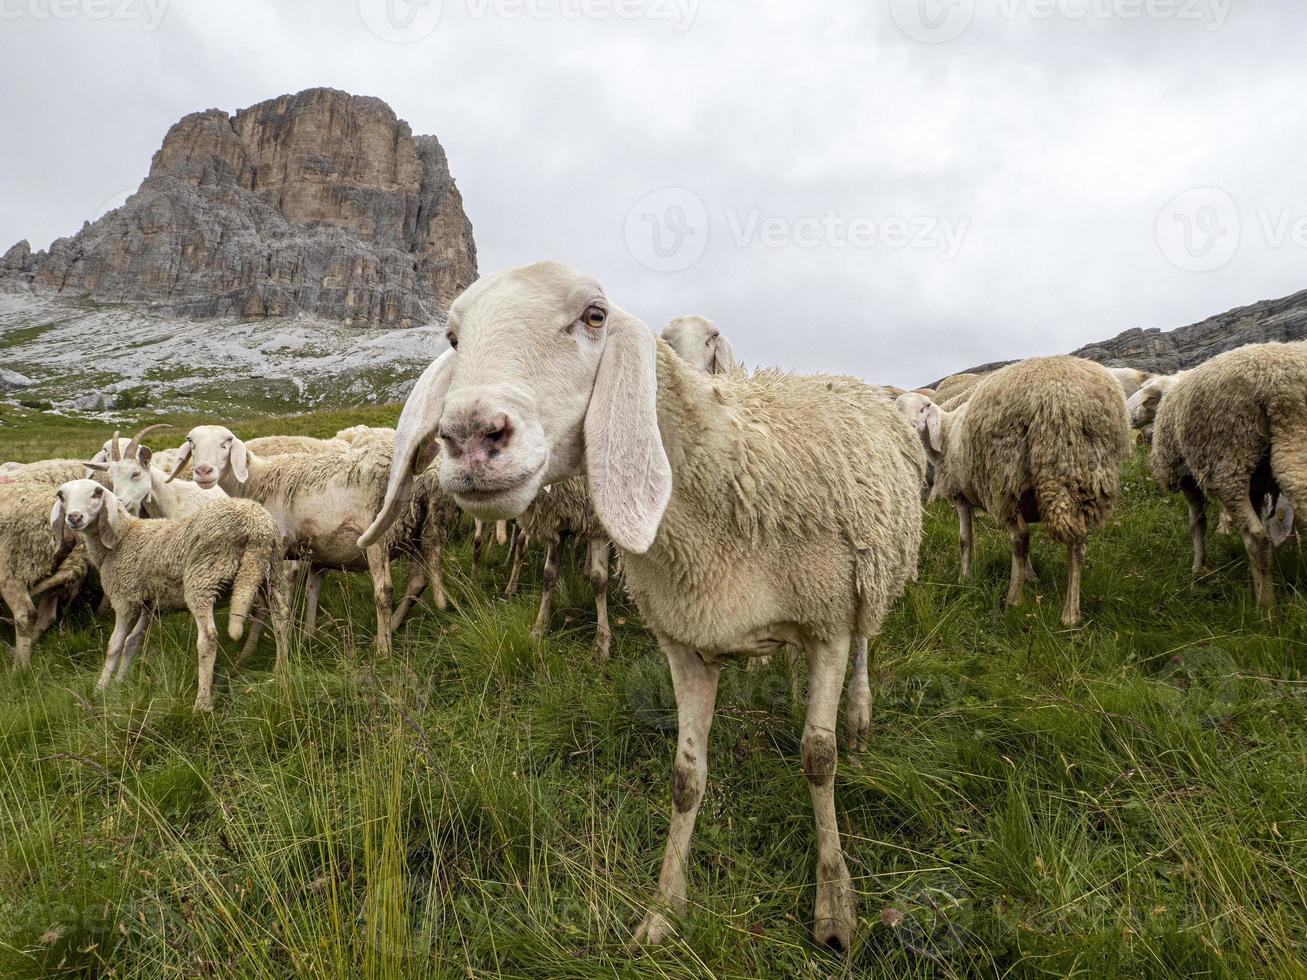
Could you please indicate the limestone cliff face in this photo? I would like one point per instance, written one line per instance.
(321, 202)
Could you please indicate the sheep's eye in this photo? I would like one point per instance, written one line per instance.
(594, 316)
(99, 492)
(453, 340)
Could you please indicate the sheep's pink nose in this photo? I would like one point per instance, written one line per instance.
(477, 437)
(204, 472)
(76, 519)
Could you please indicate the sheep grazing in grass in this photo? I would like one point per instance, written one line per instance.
(145, 489)
(320, 500)
(1039, 440)
(751, 511)
(33, 574)
(697, 339)
(153, 566)
(1234, 429)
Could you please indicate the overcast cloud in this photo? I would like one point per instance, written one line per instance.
(892, 188)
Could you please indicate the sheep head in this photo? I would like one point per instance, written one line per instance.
(697, 339)
(544, 376)
(1142, 405)
(215, 450)
(128, 470)
(83, 506)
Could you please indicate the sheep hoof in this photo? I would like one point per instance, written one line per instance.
(835, 918)
(203, 704)
(858, 736)
(653, 931)
(537, 632)
(600, 649)
(1071, 619)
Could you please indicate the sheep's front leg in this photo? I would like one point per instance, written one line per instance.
(1075, 560)
(835, 914)
(134, 641)
(435, 569)
(252, 637)
(25, 616)
(417, 583)
(519, 555)
(695, 684)
(599, 582)
(45, 613)
(382, 595)
(121, 626)
(312, 589)
(1197, 524)
(547, 589)
(207, 653)
(479, 530)
(857, 713)
(965, 534)
(1020, 534)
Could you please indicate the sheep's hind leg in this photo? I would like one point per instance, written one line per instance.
(1075, 560)
(695, 684)
(1197, 524)
(598, 562)
(417, 583)
(207, 655)
(274, 595)
(547, 589)
(1020, 534)
(835, 913)
(857, 712)
(1258, 545)
(25, 617)
(519, 555)
(312, 589)
(382, 594)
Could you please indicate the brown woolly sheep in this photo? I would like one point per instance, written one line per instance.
(1235, 429)
(1039, 440)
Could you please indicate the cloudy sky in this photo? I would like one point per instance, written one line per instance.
(893, 188)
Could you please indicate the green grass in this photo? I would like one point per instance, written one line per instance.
(1124, 799)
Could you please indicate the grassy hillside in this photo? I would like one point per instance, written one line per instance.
(1123, 799)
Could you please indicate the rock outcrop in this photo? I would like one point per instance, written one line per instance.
(1184, 347)
(321, 203)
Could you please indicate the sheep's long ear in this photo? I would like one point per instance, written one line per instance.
(57, 521)
(182, 456)
(417, 424)
(935, 426)
(630, 478)
(723, 358)
(95, 464)
(111, 521)
(240, 460)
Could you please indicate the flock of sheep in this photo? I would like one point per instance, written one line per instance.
(751, 510)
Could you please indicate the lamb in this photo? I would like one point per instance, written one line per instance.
(32, 574)
(320, 500)
(145, 489)
(1234, 429)
(148, 567)
(1041, 439)
(750, 510)
(697, 339)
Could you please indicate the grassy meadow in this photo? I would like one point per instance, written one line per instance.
(1128, 798)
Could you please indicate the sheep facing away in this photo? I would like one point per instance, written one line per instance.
(750, 510)
(697, 339)
(34, 574)
(1039, 440)
(1234, 429)
(153, 566)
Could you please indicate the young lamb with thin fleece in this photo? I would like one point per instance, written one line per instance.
(320, 500)
(33, 573)
(1039, 440)
(153, 566)
(751, 511)
(1234, 429)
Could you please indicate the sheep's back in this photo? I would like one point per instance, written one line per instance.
(27, 548)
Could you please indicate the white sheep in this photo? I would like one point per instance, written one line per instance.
(320, 500)
(33, 574)
(697, 339)
(1038, 440)
(153, 566)
(751, 511)
(144, 488)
